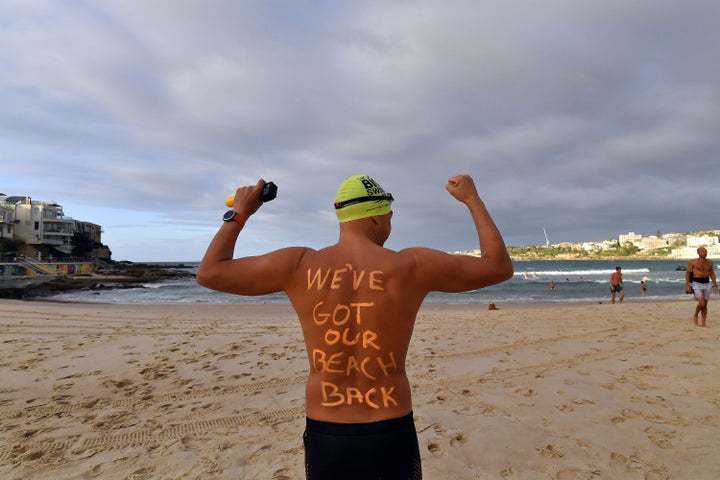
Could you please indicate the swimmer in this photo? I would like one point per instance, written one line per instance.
(357, 302)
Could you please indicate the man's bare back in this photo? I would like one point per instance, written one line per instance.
(357, 313)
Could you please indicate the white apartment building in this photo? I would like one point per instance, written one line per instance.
(701, 241)
(40, 223)
(7, 218)
(652, 243)
(712, 245)
(631, 237)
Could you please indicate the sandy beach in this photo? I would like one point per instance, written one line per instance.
(563, 392)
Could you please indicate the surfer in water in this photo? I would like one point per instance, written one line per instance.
(357, 302)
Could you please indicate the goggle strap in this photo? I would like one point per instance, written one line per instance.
(355, 201)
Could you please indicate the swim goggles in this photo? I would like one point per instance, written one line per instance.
(355, 201)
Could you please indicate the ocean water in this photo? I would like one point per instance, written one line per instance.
(575, 281)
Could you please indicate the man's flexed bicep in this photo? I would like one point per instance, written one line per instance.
(437, 271)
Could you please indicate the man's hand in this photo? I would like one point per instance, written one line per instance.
(462, 187)
(247, 199)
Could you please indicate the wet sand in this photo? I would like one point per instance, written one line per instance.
(216, 391)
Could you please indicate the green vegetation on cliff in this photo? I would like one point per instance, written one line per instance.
(568, 253)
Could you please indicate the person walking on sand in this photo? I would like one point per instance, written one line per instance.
(698, 275)
(616, 285)
(357, 303)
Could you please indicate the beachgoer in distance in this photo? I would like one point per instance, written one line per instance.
(616, 285)
(357, 303)
(698, 275)
(643, 288)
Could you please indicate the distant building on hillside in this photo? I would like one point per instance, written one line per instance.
(652, 243)
(693, 242)
(631, 237)
(701, 241)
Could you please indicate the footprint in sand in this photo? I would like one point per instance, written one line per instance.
(637, 464)
(577, 474)
(433, 447)
(282, 474)
(526, 392)
(65, 386)
(507, 471)
(660, 437)
(713, 420)
(142, 474)
(458, 439)
(550, 451)
(96, 471)
(630, 413)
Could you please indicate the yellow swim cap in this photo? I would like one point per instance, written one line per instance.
(360, 197)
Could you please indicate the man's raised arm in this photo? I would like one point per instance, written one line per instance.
(440, 271)
(255, 275)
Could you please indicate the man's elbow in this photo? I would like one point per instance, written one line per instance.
(506, 270)
(204, 277)
(509, 272)
(502, 268)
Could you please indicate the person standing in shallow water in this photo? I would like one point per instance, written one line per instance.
(616, 285)
(698, 275)
(357, 303)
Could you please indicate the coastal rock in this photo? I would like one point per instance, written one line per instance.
(123, 275)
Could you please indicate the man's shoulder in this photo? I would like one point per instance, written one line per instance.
(290, 255)
(421, 255)
(294, 250)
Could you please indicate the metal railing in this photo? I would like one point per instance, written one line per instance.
(38, 267)
(24, 281)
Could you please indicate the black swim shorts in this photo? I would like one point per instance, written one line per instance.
(385, 450)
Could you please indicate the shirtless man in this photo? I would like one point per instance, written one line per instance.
(698, 275)
(357, 303)
(616, 285)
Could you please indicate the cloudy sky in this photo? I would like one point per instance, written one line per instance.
(590, 118)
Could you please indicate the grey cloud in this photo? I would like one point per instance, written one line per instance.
(589, 118)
